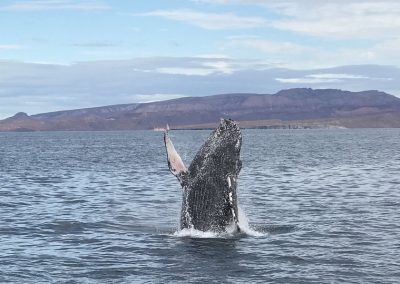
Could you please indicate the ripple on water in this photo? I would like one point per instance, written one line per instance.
(82, 207)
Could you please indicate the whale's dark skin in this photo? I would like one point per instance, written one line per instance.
(209, 184)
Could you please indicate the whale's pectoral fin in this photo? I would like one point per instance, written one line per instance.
(175, 163)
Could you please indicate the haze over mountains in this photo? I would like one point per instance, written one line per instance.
(291, 108)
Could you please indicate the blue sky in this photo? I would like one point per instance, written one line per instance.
(62, 54)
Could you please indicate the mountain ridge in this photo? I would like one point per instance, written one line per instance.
(298, 107)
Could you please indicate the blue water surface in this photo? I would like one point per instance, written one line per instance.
(102, 207)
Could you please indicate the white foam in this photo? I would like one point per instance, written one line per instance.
(245, 226)
(193, 233)
(230, 231)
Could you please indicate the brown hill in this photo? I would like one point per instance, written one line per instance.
(294, 108)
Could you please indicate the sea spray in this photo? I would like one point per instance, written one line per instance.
(193, 233)
(245, 230)
(245, 226)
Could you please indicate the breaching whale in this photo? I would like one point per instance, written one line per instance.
(209, 185)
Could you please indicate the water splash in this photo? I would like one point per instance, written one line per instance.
(230, 231)
(245, 226)
(193, 233)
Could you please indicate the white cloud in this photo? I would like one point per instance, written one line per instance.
(319, 78)
(40, 5)
(10, 46)
(307, 80)
(357, 32)
(185, 71)
(336, 76)
(343, 19)
(211, 21)
(213, 55)
(383, 53)
(200, 66)
(267, 46)
(219, 66)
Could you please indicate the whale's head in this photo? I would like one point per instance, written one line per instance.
(220, 154)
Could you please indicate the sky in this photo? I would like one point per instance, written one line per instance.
(65, 54)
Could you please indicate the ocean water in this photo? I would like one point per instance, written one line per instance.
(322, 206)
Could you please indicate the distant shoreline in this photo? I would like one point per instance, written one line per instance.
(299, 108)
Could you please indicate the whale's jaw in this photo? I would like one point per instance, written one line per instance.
(209, 184)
